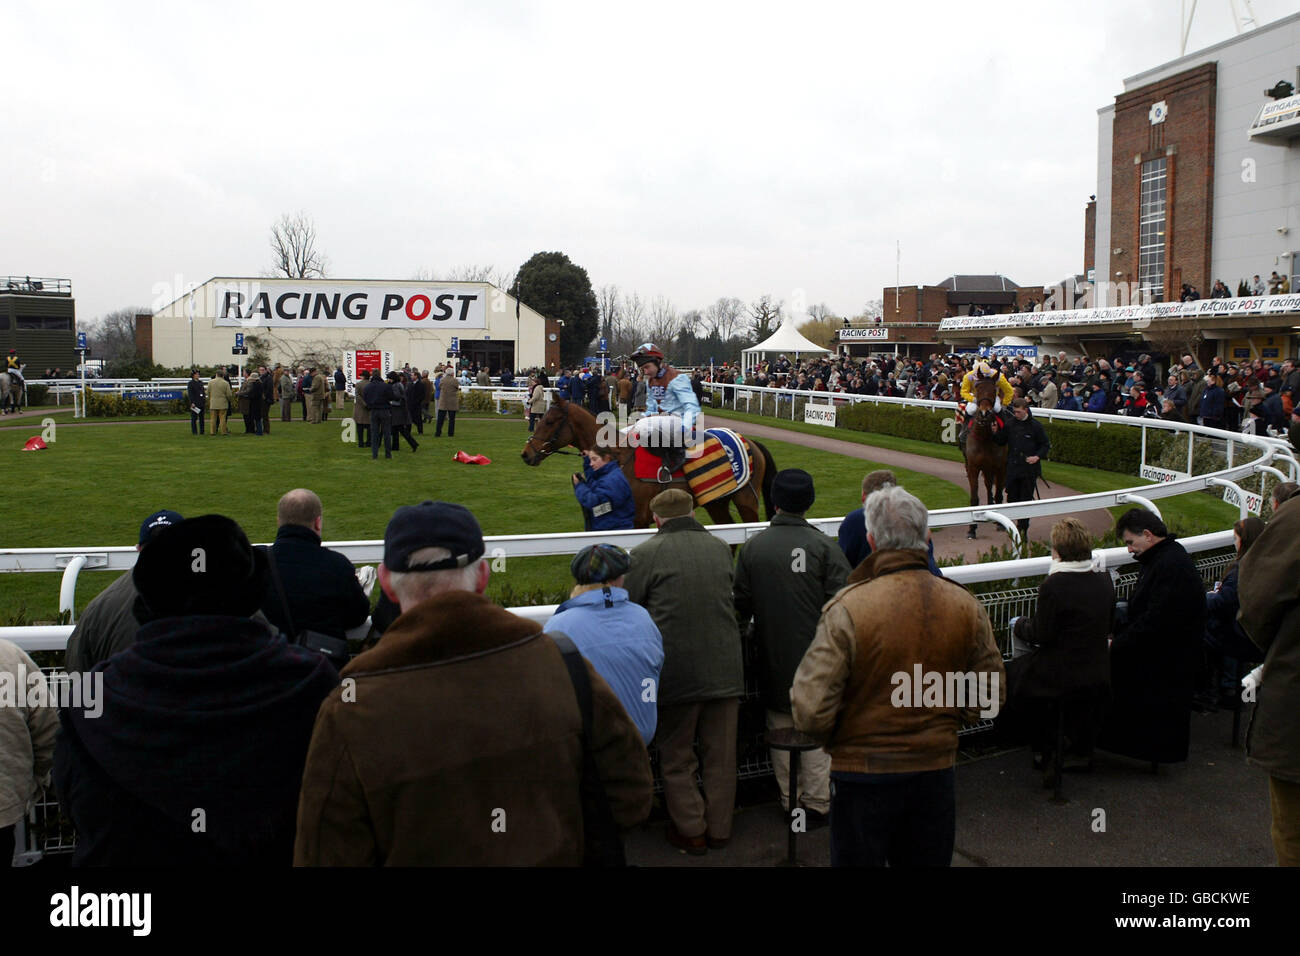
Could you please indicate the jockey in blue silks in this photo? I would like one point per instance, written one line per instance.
(672, 410)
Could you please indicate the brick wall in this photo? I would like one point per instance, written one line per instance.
(144, 335)
(1186, 140)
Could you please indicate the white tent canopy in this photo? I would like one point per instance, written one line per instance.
(784, 341)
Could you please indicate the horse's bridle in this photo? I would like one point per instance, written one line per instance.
(552, 445)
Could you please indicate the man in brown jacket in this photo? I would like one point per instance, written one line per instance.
(458, 739)
(899, 659)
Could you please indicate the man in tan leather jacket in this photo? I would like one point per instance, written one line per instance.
(900, 658)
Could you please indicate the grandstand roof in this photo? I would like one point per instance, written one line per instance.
(978, 283)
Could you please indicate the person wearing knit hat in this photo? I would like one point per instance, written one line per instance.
(784, 574)
(618, 638)
(683, 577)
(209, 708)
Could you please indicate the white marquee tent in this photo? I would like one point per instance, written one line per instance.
(784, 341)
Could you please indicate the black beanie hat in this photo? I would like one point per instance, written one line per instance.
(201, 566)
(792, 490)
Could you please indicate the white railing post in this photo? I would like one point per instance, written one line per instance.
(68, 588)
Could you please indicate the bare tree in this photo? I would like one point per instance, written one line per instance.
(608, 301)
(765, 316)
(820, 311)
(293, 244)
(501, 278)
(823, 331)
(111, 337)
(665, 322)
(632, 327)
(724, 316)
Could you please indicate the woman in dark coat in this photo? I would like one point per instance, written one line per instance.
(401, 417)
(1068, 632)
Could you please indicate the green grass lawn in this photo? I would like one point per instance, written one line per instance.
(96, 483)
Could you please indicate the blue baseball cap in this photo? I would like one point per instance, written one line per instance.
(155, 523)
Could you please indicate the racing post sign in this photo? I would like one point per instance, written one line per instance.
(357, 361)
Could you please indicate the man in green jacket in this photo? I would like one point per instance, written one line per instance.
(682, 576)
(783, 577)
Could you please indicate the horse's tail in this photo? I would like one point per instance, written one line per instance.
(769, 475)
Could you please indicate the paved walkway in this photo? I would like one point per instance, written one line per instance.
(948, 542)
(1210, 811)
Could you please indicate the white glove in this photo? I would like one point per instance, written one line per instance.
(366, 577)
(997, 404)
(1250, 683)
(971, 409)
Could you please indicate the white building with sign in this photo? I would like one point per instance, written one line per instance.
(322, 319)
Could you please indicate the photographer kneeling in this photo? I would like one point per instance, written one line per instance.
(603, 492)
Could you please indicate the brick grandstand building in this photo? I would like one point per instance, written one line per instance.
(1198, 180)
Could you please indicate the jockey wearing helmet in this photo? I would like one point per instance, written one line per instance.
(985, 370)
(669, 397)
(967, 404)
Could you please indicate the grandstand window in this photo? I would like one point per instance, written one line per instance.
(1151, 225)
(48, 323)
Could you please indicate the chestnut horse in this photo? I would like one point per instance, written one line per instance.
(569, 424)
(983, 455)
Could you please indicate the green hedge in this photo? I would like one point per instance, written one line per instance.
(1111, 448)
(101, 405)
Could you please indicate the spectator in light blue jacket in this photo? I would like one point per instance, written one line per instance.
(617, 637)
(603, 491)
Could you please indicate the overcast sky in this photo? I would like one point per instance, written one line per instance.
(689, 150)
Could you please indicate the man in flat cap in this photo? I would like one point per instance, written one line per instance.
(458, 739)
(784, 575)
(619, 638)
(197, 752)
(682, 576)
